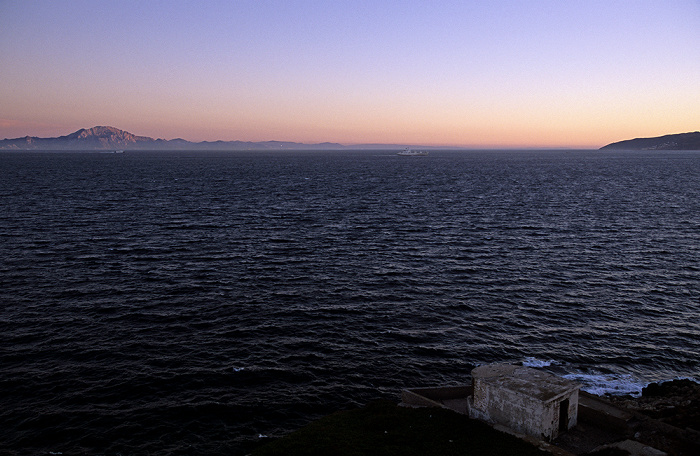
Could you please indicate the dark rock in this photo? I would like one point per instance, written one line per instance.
(609, 452)
(676, 403)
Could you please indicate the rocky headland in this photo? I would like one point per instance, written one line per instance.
(680, 141)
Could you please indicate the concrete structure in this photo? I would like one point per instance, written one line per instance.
(450, 397)
(528, 401)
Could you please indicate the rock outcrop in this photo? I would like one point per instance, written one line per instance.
(676, 403)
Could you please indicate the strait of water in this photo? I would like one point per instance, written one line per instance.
(192, 303)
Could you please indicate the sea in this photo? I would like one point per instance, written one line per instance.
(205, 302)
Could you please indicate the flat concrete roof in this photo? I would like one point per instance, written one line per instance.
(525, 381)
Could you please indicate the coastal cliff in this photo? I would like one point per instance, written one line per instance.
(680, 141)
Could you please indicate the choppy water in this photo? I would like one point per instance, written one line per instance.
(188, 303)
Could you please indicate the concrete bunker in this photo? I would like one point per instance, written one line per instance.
(526, 400)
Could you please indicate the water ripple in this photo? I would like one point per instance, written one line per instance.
(180, 303)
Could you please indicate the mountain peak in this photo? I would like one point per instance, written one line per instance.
(103, 137)
(103, 130)
(100, 132)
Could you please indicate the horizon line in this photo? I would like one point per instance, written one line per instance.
(391, 145)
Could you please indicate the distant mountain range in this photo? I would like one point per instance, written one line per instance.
(110, 138)
(680, 141)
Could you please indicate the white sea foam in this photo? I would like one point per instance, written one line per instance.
(592, 382)
(615, 384)
(534, 362)
(692, 379)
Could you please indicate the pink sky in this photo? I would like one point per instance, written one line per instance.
(472, 74)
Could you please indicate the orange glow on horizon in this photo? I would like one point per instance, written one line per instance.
(463, 74)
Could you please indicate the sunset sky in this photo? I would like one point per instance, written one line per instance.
(461, 73)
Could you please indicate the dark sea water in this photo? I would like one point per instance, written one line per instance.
(191, 303)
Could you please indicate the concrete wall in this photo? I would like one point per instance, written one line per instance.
(526, 400)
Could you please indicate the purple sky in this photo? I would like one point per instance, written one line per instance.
(463, 73)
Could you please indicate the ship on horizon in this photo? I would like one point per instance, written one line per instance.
(413, 153)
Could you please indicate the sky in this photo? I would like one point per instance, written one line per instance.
(497, 73)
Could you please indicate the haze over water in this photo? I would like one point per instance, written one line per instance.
(190, 302)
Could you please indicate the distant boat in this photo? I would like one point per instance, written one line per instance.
(413, 153)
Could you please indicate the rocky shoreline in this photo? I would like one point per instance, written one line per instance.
(667, 416)
(676, 403)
